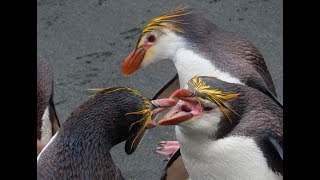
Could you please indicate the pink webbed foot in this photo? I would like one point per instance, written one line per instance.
(167, 148)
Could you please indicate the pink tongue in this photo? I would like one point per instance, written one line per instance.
(195, 109)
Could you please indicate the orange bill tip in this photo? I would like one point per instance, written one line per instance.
(133, 61)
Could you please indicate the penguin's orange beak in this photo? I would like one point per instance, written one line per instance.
(133, 61)
(185, 95)
(187, 107)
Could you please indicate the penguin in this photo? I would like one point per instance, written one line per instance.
(47, 120)
(227, 130)
(81, 147)
(197, 47)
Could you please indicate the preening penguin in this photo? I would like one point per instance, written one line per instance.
(227, 130)
(80, 149)
(47, 120)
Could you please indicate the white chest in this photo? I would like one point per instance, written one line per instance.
(189, 64)
(46, 129)
(230, 158)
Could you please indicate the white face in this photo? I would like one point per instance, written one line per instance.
(207, 123)
(161, 45)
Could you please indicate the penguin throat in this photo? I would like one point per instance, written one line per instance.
(190, 64)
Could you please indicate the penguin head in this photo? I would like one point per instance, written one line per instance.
(203, 104)
(159, 40)
(128, 113)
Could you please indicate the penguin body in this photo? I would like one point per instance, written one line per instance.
(226, 51)
(213, 147)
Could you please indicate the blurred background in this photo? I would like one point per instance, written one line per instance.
(87, 41)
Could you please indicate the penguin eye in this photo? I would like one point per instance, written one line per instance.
(151, 38)
(207, 108)
(207, 105)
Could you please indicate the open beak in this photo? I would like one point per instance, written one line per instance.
(158, 106)
(133, 61)
(187, 108)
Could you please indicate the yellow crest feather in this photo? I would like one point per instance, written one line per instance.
(214, 95)
(171, 17)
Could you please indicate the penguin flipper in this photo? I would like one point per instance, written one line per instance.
(274, 98)
(175, 168)
(55, 123)
(273, 143)
(166, 90)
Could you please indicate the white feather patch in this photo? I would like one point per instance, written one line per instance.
(46, 128)
(234, 157)
(190, 64)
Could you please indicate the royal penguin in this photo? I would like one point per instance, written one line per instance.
(81, 147)
(227, 130)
